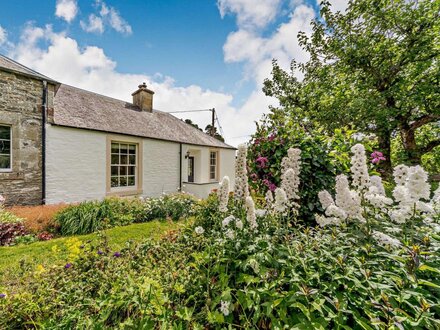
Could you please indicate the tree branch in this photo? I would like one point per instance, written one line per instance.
(423, 120)
(431, 145)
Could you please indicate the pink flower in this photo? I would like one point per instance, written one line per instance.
(261, 162)
(272, 137)
(254, 177)
(376, 157)
(269, 185)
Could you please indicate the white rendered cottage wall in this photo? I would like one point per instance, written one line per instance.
(75, 165)
(160, 167)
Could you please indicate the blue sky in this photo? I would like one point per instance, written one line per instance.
(193, 53)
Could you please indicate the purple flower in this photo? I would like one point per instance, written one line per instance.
(100, 252)
(2, 295)
(272, 187)
(272, 137)
(254, 177)
(68, 265)
(269, 185)
(376, 157)
(116, 254)
(261, 162)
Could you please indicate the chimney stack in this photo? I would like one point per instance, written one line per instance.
(143, 98)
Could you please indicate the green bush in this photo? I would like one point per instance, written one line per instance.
(91, 216)
(175, 207)
(8, 217)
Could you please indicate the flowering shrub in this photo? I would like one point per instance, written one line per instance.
(322, 159)
(45, 236)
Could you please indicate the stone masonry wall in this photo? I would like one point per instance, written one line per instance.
(21, 108)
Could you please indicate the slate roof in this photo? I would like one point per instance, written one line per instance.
(74, 107)
(10, 65)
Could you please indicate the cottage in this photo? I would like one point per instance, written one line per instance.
(59, 143)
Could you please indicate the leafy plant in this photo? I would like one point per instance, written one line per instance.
(91, 216)
(10, 231)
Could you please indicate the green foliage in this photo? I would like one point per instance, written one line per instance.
(175, 207)
(374, 68)
(430, 160)
(91, 216)
(8, 217)
(25, 239)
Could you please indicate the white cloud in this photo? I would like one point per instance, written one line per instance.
(250, 13)
(94, 24)
(3, 36)
(106, 15)
(66, 9)
(339, 5)
(257, 52)
(91, 69)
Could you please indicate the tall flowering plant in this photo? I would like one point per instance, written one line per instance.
(241, 188)
(365, 201)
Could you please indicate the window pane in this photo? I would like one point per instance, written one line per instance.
(115, 170)
(5, 162)
(132, 159)
(132, 149)
(5, 147)
(115, 159)
(114, 181)
(131, 181)
(131, 170)
(124, 159)
(124, 149)
(123, 181)
(5, 132)
(115, 148)
(123, 170)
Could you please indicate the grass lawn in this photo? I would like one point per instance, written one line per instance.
(56, 251)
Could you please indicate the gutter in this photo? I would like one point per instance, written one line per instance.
(180, 167)
(43, 147)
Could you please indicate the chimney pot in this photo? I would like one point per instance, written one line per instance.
(143, 98)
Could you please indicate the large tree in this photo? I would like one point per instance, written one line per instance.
(375, 67)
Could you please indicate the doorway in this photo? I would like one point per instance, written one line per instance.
(190, 169)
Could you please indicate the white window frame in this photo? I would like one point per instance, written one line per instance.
(7, 170)
(125, 190)
(215, 179)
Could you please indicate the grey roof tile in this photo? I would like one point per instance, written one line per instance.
(74, 107)
(11, 65)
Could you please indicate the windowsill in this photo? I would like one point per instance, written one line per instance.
(131, 192)
(201, 183)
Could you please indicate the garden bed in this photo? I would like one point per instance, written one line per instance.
(15, 260)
